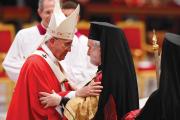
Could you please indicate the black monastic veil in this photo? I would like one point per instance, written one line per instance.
(120, 92)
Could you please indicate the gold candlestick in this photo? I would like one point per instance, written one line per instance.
(156, 55)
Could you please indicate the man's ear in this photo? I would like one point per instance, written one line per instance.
(39, 12)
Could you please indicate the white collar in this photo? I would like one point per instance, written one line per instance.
(50, 54)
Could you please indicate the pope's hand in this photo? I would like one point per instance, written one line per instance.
(49, 100)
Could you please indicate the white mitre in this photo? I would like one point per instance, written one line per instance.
(61, 26)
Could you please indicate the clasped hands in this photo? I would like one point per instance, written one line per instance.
(53, 99)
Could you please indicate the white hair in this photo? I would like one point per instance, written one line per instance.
(41, 4)
(96, 44)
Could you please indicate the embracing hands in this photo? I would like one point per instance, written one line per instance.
(93, 89)
(50, 99)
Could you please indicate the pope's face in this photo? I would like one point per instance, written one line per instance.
(60, 47)
(94, 52)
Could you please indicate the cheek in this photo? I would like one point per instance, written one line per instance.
(99, 59)
(97, 56)
(63, 50)
(44, 14)
(94, 60)
(93, 56)
(47, 17)
(59, 48)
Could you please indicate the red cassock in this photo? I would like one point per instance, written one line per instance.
(132, 115)
(35, 76)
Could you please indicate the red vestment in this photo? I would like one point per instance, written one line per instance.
(35, 76)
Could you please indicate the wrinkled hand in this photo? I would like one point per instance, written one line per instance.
(49, 100)
(93, 89)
